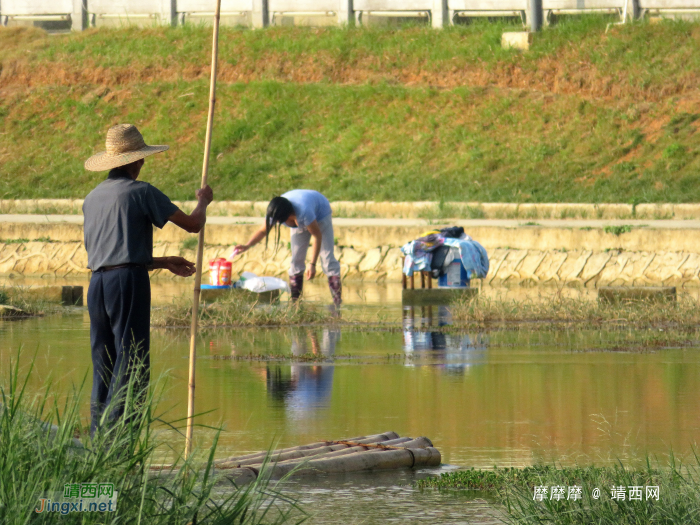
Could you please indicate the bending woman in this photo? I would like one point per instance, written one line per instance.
(308, 214)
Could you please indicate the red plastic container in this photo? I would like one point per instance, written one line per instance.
(220, 272)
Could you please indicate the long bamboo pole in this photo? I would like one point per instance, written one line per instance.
(200, 240)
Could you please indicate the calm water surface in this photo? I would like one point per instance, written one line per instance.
(501, 398)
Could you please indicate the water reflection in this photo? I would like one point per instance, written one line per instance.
(456, 351)
(303, 388)
(515, 398)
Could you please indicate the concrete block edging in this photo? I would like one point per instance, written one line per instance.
(408, 210)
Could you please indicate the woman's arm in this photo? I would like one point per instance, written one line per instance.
(315, 231)
(255, 239)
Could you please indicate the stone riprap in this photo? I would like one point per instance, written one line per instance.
(408, 210)
(575, 253)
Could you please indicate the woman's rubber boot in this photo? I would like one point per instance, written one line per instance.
(336, 289)
(296, 285)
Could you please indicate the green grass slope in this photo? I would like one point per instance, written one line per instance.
(365, 114)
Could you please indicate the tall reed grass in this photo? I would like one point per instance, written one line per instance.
(39, 455)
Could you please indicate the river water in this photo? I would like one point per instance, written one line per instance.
(505, 398)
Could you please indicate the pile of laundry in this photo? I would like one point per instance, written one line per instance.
(437, 249)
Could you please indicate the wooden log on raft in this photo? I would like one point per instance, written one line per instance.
(424, 442)
(336, 452)
(260, 456)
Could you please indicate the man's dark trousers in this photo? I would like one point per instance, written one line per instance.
(119, 304)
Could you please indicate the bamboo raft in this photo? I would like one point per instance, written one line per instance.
(386, 451)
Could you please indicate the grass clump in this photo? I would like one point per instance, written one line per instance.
(26, 303)
(39, 456)
(237, 310)
(618, 230)
(25, 241)
(14, 241)
(555, 311)
(190, 243)
(495, 480)
(678, 498)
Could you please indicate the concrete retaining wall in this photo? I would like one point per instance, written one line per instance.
(519, 255)
(408, 210)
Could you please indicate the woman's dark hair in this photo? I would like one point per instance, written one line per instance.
(278, 211)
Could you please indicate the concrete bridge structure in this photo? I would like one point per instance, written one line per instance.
(81, 14)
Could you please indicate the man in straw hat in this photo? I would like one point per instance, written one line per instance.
(119, 217)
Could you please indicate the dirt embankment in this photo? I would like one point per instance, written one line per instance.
(565, 70)
(550, 76)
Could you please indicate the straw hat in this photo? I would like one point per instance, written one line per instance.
(124, 145)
